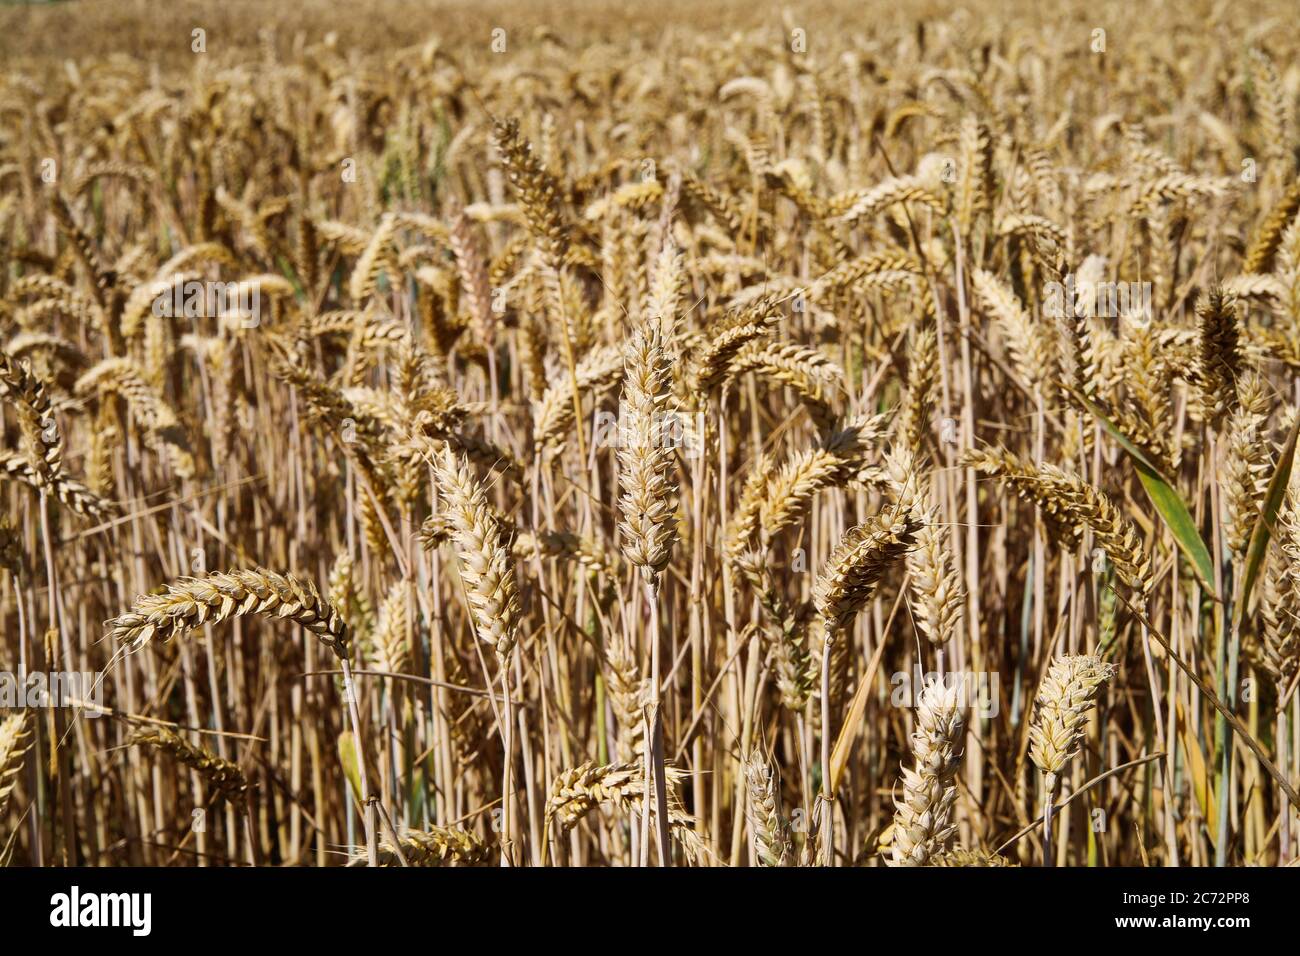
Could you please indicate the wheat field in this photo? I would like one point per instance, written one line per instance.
(522, 434)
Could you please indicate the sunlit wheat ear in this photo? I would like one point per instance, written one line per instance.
(1281, 607)
(1032, 349)
(193, 602)
(74, 494)
(1249, 464)
(727, 338)
(864, 203)
(578, 791)
(905, 480)
(485, 564)
(960, 856)
(1279, 651)
(1024, 479)
(85, 249)
(221, 775)
(667, 280)
(628, 694)
(975, 160)
(937, 594)
(775, 499)
(1269, 236)
(856, 566)
(553, 414)
(922, 380)
(361, 285)
(1070, 505)
(35, 418)
(1090, 507)
(1148, 380)
(645, 455)
(795, 668)
(54, 296)
(923, 814)
(392, 648)
(778, 499)
(744, 524)
(770, 833)
(1272, 104)
(815, 379)
(1065, 700)
(15, 740)
(328, 405)
(539, 193)
(437, 846)
(343, 591)
(1076, 347)
(472, 271)
(1218, 357)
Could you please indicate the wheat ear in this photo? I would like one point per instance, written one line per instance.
(1065, 700)
(485, 565)
(437, 846)
(645, 461)
(1069, 505)
(922, 818)
(855, 567)
(191, 602)
(770, 832)
(960, 856)
(15, 739)
(35, 418)
(224, 777)
(578, 791)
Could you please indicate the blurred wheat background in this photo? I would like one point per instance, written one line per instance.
(627, 410)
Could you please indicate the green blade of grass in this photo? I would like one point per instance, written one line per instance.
(1173, 510)
(1259, 538)
(348, 756)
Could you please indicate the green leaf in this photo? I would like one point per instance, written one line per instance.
(1164, 496)
(1267, 517)
(348, 757)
